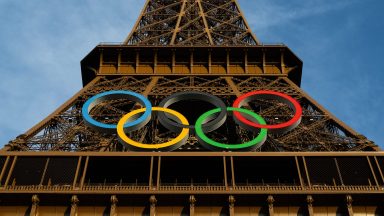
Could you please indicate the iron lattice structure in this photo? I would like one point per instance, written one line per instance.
(62, 167)
(191, 45)
(65, 129)
(190, 22)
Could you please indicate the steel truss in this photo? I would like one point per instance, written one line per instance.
(191, 45)
(191, 22)
(64, 130)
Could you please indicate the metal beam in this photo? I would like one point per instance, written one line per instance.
(4, 169)
(299, 172)
(207, 29)
(310, 99)
(151, 174)
(177, 28)
(233, 172)
(77, 172)
(379, 168)
(137, 22)
(233, 86)
(10, 171)
(61, 109)
(84, 172)
(225, 172)
(246, 23)
(372, 171)
(306, 171)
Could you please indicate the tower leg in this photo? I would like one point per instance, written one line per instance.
(114, 202)
(152, 208)
(74, 207)
(310, 205)
(35, 205)
(349, 201)
(231, 201)
(192, 201)
(270, 201)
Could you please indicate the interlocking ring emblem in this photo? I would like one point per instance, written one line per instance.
(178, 123)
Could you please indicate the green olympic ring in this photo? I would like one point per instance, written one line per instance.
(209, 143)
(249, 120)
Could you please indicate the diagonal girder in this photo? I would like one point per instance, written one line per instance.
(64, 130)
(187, 22)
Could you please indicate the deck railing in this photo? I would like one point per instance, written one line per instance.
(197, 188)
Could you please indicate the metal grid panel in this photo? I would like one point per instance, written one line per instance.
(355, 171)
(28, 171)
(118, 171)
(380, 160)
(322, 171)
(60, 171)
(256, 171)
(2, 163)
(192, 171)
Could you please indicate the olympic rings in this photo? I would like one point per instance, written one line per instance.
(207, 122)
(111, 95)
(168, 146)
(209, 143)
(278, 128)
(208, 126)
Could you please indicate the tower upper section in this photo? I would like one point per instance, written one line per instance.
(191, 37)
(191, 22)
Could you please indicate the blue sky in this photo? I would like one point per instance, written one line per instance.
(341, 43)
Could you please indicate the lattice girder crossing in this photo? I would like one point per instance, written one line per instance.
(191, 22)
(61, 165)
(65, 130)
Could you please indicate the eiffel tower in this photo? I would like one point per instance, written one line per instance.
(66, 166)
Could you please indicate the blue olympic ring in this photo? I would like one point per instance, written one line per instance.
(111, 128)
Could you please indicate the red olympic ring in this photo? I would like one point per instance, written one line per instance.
(265, 94)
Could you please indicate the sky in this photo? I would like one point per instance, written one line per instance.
(340, 42)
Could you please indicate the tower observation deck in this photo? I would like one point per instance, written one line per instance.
(191, 115)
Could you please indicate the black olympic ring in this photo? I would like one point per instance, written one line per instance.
(209, 125)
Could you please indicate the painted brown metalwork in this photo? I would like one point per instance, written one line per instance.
(321, 167)
(65, 130)
(187, 22)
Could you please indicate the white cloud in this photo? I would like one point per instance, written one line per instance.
(42, 44)
(267, 13)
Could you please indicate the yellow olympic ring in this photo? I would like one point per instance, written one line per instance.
(174, 143)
